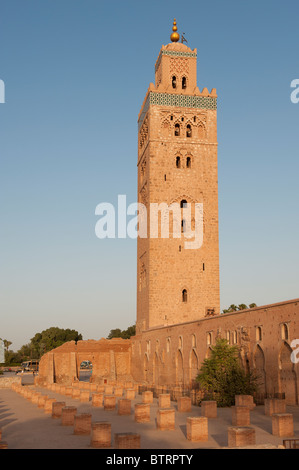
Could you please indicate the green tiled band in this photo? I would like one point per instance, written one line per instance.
(183, 101)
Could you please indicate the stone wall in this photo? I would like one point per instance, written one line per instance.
(110, 360)
(173, 355)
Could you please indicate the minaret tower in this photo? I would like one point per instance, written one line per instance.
(177, 163)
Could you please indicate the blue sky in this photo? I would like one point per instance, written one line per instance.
(76, 73)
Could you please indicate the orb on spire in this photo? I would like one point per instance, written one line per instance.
(174, 36)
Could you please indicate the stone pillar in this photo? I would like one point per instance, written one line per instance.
(126, 441)
(73, 366)
(76, 393)
(42, 400)
(84, 396)
(147, 397)
(50, 369)
(240, 415)
(166, 419)
(274, 405)
(68, 391)
(164, 400)
(108, 389)
(241, 436)
(130, 393)
(209, 409)
(97, 400)
(282, 425)
(48, 405)
(82, 424)
(197, 429)
(35, 398)
(184, 404)
(118, 391)
(124, 406)
(244, 400)
(142, 412)
(68, 415)
(109, 402)
(57, 409)
(101, 434)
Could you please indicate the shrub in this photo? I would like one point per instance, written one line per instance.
(222, 376)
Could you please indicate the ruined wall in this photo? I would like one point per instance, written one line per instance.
(110, 360)
(174, 354)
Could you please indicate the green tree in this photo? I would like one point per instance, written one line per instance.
(222, 376)
(7, 344)
(52, 338)
(236, 308)
(125, 334)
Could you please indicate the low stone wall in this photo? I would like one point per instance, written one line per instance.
(6, 382)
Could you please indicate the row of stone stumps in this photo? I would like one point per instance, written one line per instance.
(240, 434)
(120, 396)
(81, 422)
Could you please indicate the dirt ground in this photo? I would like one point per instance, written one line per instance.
(25, 426)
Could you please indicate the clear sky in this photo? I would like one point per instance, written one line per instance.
(76, 73)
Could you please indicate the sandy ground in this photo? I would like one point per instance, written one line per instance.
(25, 426)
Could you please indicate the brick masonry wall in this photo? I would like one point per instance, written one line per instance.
(110, 360)
(173, 355)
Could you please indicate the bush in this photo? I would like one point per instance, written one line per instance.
(222, 376)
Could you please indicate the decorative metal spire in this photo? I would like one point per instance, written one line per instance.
(174, 36)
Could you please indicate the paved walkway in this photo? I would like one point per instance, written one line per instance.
(25, 426)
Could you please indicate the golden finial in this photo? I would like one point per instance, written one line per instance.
(174, 36)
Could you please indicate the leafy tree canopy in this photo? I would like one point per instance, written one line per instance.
(222, 376)
(52, 338)
(125, 334)
(235, 308)
(40, 344)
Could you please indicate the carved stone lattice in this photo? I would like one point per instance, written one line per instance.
(143, 133)
(179, 65)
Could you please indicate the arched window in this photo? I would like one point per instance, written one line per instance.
(189, 131)
(193, 341)
(209, 338)
(284, 331)
(178, 162)
(173, 81)
(258, 333)
(183, 203)
(184, 83)
(168, 345)
(234, 337)
(188, 162)
(184, 295)
(177, 130)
